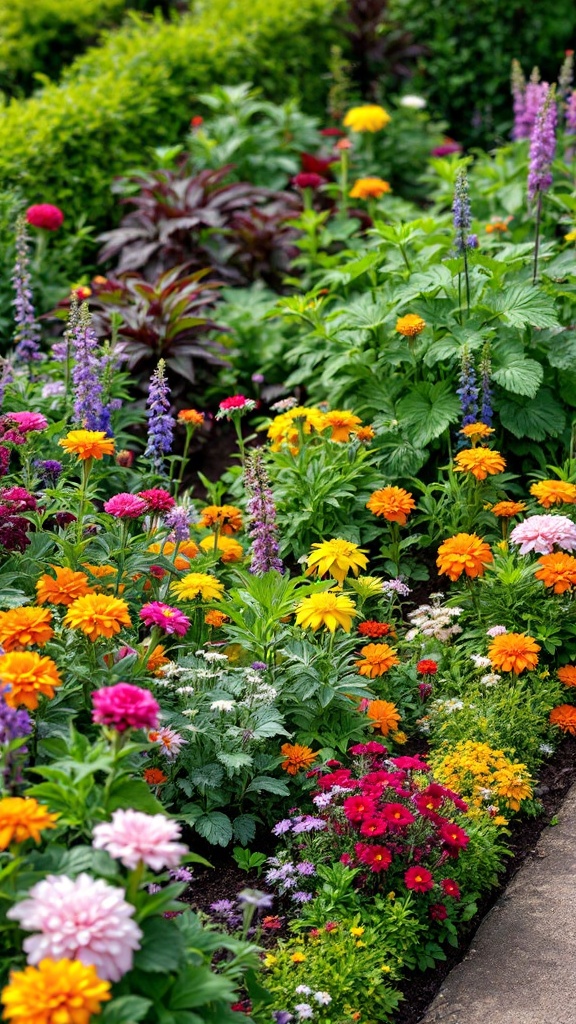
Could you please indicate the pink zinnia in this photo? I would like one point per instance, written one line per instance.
(28, 421)
(168, 619)
(82, 919)
(171, 741)
(419, 879)
(541, 533)
(125, 707)
(236, 403)
(126, 506)
(308, 179)
(45, 215)
(157, 499)
(132, 837)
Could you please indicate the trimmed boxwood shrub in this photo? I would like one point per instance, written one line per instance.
(136, 92)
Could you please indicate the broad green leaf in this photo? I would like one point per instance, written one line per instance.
(216, 827)
(537, 419)
(244, 828)
(133, 793)
(125, 1010)
(268, 784)
(162, 946)
(198, 985)
(428, 410)
(520, 305)
(519, 375)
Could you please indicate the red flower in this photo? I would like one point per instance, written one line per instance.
(196, 121)
(419, 879)
(44, 215)
(271, 923)
(338, 778)
(346, 859)
(424, 689)
(378, 858)
(316, 164)
(157, 499)
(454, 836)
(372, 747)
(234, 402)
(358, 807)
(331, 926)
(450, 888)
(375, 826)
(336, 133)
(308, 179)
(410, 763)
(397, 815)
(438, 912)
(374, 629)
(427, 667)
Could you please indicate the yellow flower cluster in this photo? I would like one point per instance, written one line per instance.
(339, 424)
(484, 776)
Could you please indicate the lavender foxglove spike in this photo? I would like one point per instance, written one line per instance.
(89, 409)
(468, 390)
(543, 146)
(262, 529)
(27, 333)
(518, 85)
(161, 423)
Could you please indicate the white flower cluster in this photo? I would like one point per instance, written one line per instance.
(434, 620)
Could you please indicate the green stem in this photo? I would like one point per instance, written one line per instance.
(189, 433)
(86, 467)
(537, 239)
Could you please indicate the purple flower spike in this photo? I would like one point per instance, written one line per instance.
(89, 409)
(468, 390)
(542, 146)
(27, 334)
(161, 423)
(262, 511)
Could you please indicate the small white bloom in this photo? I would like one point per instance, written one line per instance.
(324, 998)
(490, 679)
(496, 631)
(303, 990)
(546, 748)
(222, 705)
(480, 661)
(485, 793)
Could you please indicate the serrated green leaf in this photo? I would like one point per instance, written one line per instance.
(126, 1010)
(428, 410)
(537, 419)
(244, 828)
(215, 827)
(519, 375)
(519, 306)
(268, 784)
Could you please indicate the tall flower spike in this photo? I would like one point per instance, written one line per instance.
(518, 86)
(533, 97)
(89, 411)
(468, 390)
(566, 76)
(27, 334)
(486, 412)
(461, 211)
(571, 114)
(262, 511)
(5, 378)
(161, 423)
(542, 146)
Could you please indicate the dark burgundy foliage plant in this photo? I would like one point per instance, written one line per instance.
(379, 46)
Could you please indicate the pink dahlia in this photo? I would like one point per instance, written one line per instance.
(168, 619)
(79, 919)
(44, 215)
(125, 707)
(28, 421)
(126, 506)
(169, 740)
(157, 499)
(132, 837)
(541, 533)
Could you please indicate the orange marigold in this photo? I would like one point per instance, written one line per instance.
(481, 462)
(365, 434)
(157, 660)
(374, 629)
(463, 553)
(64, 588)
(23, 818)
(187, 550)
(376, 659)
(28, 674)
(567, 675)
(564, 716)
(410, 325)
(342, 423)
(215, 619)
(554, 492)
(20, 627)
(87, 444)
(557, 570)
(475, 431)
(191, 416)
(513, 652)
(507, 509)
(98, 615)
(297, 757)
(393, 503)
(384, 716)
(225, 518)
(369, 188)
(154, 776)
(229, 550)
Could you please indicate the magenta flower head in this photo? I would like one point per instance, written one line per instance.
(125, 707)
(132, 837)
(234, 406)
(168, 619)
(28, 421)
(46, 216)
(542, 533)
(126, 506)
(157, 499)
(308, 179)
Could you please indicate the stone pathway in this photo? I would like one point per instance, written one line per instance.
(521, 967)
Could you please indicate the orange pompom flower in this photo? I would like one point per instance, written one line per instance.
(21, 627)
(342, 422)
(393, 503)
(480, 462)
(28, 674)
(154, 776)
(228, 549)
(554, 492)
(225, 518)
(464, 553)
(191, 416)
(98, 615)
(567, 675)
(54, 992)
(557, 570)
(564, 716)
(476, 431)
(384, 716)
(215, 619)
(23, 818)
(410, 325)
(507, 509)
(369, 188)
(64, 588)
(87, 444)
(513, 652)
(297, 757)
(376, 659)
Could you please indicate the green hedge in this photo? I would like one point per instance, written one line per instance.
(65, 144)
(42, 36)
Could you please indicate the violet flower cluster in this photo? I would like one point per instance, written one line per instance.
(528, 99)
(89, 409)
(27, 335)
(542, 147)
(462, 215)
(161, 423)
(571, 114)
(486, 411)
(262, 528)
(179, 520)
(467, 390)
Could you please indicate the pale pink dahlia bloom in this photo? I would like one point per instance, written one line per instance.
(541, 533)
(132, 837)
(167, 618)
(125, 707)
(82, 919)
(126, 506)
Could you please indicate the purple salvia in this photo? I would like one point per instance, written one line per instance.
(486, 412)
(468, 390)
(571, 113)
(536, 93)
(179, 520)
(518, 85)
(462, 216)
(27, 334)
(5, 378)
(542, 147)
(88, 406)
(262, 529)
(161, 423)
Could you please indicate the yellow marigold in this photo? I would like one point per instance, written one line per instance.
(564, 716)
(463, 553)
(336, 557)
(215, 619)
(187, 551)
(54, 992)
(570, 237)
(367, 118)
(342, 423)
(226, 518)
(298, 958)
(20, 627)
(567, 675)
(365, 434)
(410, 325)
(28, 674)
(512, 785)
(98, 615)
(383, 715)
(376, 659)
(230, 550)
(64, 588)
(369, 188)
(476, 431)
(554, 492)
(507, 509)
(513, 652)
(328, 609)
(191, 416)
(23, 818)
(557, 570)
(393, 503)
(399, 737)
(297, 757)
(198, 584)
(87, 444)
(481, 462)
(284, 431)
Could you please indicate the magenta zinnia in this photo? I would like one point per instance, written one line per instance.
(126, 506)
(125, 707)
(166, 618)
